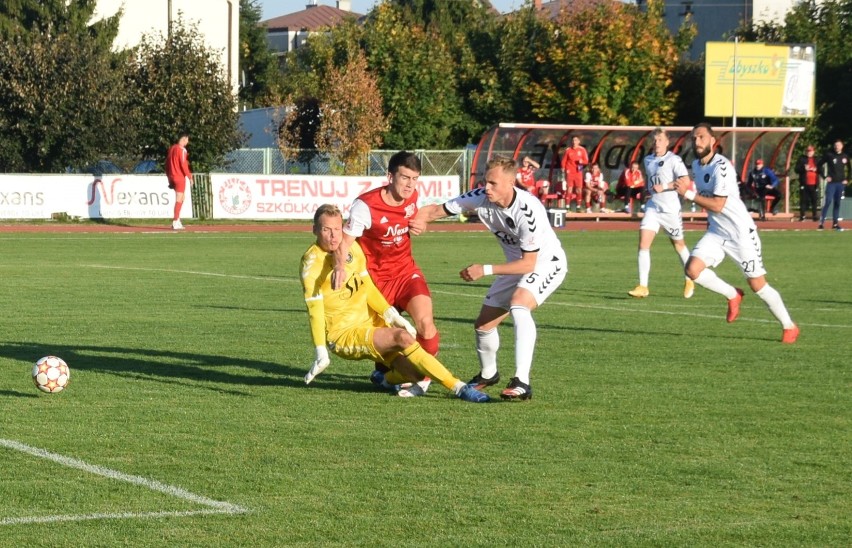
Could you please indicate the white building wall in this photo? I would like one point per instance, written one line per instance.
(218, 21)
(771, 10)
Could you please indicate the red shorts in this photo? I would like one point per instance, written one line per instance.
(178, 186)
(575, 181)
(399, 291)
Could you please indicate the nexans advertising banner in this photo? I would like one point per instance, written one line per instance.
(759, 80)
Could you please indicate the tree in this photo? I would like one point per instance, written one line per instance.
(181, 87)
(470, 33)
(828, 25)
(62, 91)
(601, 62)
(352, 118)
(261, 77)
(28, 19)
(417, 79)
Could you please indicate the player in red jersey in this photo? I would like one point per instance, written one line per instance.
(382, 220)
(526, 174)
(573, 162)
(178, 174)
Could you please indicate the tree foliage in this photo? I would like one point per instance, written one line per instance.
(599, 62)
(352, 118)
(31, 19)
(62, 92)
(417, 81)
(181, 87)
(828, 25)
(261, 80)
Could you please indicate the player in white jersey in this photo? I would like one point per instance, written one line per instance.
(662, 169)
(730, 231)
(535, 266)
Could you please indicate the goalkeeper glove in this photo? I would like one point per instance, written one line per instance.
(394, 319)
(320, 363)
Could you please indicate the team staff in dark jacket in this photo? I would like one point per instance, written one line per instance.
(764, 182)
(806, 168)
(836, 166)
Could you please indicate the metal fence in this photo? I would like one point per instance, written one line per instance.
(270, 161)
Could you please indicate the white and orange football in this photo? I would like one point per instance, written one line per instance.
(51, 374)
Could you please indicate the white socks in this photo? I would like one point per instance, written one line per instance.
(487, 344)
(525, 335)
(776, 305)
(709, 280)
(644, 266)
(683, 254)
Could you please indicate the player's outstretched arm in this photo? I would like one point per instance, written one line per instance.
(429, 213)
(316, 315)
(338, 277)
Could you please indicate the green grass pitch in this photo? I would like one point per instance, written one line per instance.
(654, 422)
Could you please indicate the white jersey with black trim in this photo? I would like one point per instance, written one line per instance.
(719, 178)
(664, 170)
(523, 226)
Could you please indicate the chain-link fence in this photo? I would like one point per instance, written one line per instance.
(270, 161)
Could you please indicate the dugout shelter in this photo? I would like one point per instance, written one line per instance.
(615, 147)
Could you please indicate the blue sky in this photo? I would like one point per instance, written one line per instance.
(274, 8)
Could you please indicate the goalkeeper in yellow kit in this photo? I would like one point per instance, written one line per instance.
(355, 322)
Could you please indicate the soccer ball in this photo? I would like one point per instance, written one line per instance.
(51, 374)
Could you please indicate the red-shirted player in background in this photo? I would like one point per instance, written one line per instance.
(526, 174)
(381, 220)
(178, 174)
(573, 162)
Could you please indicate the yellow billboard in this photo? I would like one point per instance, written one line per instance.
(759, 80)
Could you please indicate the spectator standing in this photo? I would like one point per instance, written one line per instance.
(663, 210)
(178, 175)
(631, 184)
(355, 322)
(526, 174)
(574, 162)
(535, 267)
(837, 168)
(730, 231)
(764, 183)
(806, 168)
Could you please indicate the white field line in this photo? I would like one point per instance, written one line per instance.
(193, 272)
(214, 506)
(478, 296)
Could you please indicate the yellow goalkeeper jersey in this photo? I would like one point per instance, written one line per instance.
(354, 304)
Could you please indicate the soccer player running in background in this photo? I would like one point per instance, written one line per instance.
(535, 266)
(356, 322)
(381, 221)
(730, 231)
(663, 210)
(179, 175)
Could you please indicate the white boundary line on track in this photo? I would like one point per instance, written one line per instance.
(469, 295)
(213, 506)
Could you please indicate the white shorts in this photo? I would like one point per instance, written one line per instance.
(654, 220)
(541, 282)
(745, 251)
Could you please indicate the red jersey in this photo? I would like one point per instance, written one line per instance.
(526, 176)
(177, 164)
(575, 160)
(631, 179)
(382, 231)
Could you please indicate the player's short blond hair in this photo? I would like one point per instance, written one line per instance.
(330, 210)
(506, 164)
